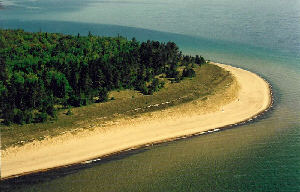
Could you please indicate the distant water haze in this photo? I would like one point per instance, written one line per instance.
(261, 36)
(269, 24)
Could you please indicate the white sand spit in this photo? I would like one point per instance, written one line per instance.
(252, 98)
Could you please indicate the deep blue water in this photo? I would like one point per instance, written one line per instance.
(262, 36)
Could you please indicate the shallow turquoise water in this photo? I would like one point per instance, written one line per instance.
(262, 36)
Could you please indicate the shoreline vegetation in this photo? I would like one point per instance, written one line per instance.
(42, 72)
(244, 99)
(49, 81)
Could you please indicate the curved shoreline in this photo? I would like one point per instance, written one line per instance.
(56, 153)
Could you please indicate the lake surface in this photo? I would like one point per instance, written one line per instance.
(261, 36)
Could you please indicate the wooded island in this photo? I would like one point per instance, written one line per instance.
(43, 72)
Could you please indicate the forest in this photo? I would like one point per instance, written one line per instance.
(42, 72)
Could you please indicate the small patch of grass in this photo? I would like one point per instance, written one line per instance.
(209, 80)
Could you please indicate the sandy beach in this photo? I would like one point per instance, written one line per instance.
(249, 96)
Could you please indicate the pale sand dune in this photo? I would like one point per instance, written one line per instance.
(240, 102)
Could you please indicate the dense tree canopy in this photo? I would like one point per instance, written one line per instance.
(39, 71)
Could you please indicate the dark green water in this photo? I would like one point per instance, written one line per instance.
(263, 37)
